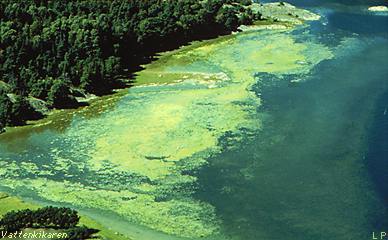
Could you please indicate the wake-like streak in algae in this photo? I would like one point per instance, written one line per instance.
(140, 158)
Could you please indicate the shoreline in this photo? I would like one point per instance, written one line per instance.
(109, 224)
(275, 16)
(15, 203)
(202, 43)
(378, 8)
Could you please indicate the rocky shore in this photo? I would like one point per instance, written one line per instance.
(378, 9)
(278, 15)
(284, 12)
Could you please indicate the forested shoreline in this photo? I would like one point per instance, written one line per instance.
(63, 223)
(54, 51)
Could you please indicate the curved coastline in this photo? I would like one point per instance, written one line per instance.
(226, 91)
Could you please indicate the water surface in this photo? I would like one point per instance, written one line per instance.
(261, 135)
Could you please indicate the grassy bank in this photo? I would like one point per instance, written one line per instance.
(11, 203)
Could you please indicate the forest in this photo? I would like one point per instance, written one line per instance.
(52, 52)
(58, 218)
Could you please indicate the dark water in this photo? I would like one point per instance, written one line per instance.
(377, 156)
(318, 169)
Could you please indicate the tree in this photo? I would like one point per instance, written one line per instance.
(59, 94)
(227, 17)
(5, 109)
(47, 217)
(81, 233)
(49, 47)
(16, 220)
(20, 110)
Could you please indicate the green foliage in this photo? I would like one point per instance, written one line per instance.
(48, 217)
(81, 233)
(14, 221)
(48, 48)
(20, 110)
(41, 87)
(59, 94)
(227, 17)
(246, 2)
(5, 109)
(14, 110)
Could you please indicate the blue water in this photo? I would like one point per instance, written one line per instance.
(318, 169)
(377, 155)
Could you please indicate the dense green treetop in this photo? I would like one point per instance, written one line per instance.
(51, 49)
(59, 218)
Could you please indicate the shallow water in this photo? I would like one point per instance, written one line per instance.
(317, 168)
(304, 176)
(262, 135)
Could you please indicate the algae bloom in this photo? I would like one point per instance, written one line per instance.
(139, 159)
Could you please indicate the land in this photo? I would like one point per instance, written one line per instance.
(283, 12)
(378, 9)
(154, 202)
(145, 171)
(25, 95)
(48, 60)
(277, 15)
(11, 203)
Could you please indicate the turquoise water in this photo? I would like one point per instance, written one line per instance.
(305, 175)
(315, 169)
